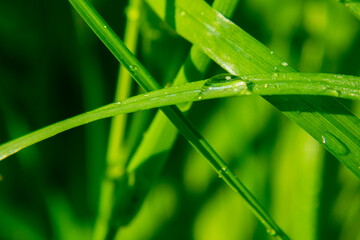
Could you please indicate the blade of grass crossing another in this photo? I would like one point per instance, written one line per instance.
(327, 120)
(148, 83)
(161, 135)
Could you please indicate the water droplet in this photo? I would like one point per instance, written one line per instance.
(275, 75)
(199, 97)
(220, 78)
(284, 64)
(276, 69)
(105, 26)
(334, 144)
(133, 68)
(339, 76)
(265, 86)
(271, 52)
(332, 92)
(117, 103)
(271, 232)
(146, 95)
(221, 172)
(182, 13)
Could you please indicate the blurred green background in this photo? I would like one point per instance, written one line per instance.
(53, 67)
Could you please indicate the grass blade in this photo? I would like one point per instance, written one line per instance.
(117, 152)
(222, 85)
(148, 83)
(116, 146)
(239, 54)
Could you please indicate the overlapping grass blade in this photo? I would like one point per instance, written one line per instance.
(327, 120)
(148, 83)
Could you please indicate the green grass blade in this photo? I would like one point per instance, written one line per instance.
(116, 146)
(222, 85)
(148, 83)
(239, 53)
(117, 152)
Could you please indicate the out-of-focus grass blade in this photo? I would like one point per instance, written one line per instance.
(298, 182)
(327, 120)
(353, 6)
(118, 151)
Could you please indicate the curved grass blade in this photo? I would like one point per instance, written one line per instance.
(223, 85)
(239, 53)
(148, 83)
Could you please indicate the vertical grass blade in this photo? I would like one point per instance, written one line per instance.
(353, 6)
